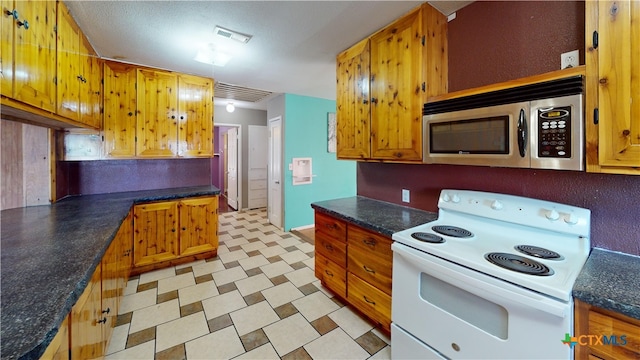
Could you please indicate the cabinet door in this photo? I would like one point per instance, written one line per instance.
(155, 232)
(69, 76)
(125, 255)
(109, 307)
(396, 90)
(619, 85)
(90, 85)
(119, 110)
(35, 54)
(198, 225)
(87, 321)
(157, 126)
(7, 26)
(353, 116)
(195, 120)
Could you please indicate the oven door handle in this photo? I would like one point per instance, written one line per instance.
(454, 275)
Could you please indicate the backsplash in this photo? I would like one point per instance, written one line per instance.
(612, 199)
(108, 176)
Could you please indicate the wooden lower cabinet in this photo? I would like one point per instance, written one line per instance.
(58, 349)
(593, 324)
(172, 232)
(356, 264)
(87, 321)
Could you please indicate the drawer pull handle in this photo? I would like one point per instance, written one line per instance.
(329, 247)
(370, 242)
(368, 270)
(331, 226)
(369, 301)
(328, 273)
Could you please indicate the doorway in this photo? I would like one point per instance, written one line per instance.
(226, 173)
(274, 172)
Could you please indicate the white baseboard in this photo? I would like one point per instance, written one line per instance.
(304, 227)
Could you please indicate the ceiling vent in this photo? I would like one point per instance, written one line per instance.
(239, 93)
(233, 35)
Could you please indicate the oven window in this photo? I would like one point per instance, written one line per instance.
(488, 135)
(483, 314)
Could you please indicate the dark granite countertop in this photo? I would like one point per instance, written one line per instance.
(49, 254)
(610, 280)
(379, 216)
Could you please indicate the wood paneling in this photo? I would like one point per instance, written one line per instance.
(26, 177)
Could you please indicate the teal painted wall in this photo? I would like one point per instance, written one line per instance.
(305, 135)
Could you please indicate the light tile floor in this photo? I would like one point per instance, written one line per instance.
(258, 299)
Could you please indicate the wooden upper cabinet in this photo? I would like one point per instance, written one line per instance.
(34, 52)
(79, 73)
(353, 117)
(155, 233)
(613, 86)
(119, 110)
(7, 25)
(396, 90)
(195, 120)
(157, 122)
(198, 225)
(382, 84)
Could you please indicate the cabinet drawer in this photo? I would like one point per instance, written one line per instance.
(330, 226)
(332, 275)
(376, 244)
(332, 249)
(376, 270)
(601, 324)
(371, 301)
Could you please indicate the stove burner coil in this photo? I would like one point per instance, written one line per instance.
(426, 237)
(538, 252)
(518, 263)
(452, 231)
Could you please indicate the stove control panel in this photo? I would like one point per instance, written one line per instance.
(518, 210)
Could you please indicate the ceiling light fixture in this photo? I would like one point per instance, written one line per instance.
(210, 55)
(230, 107)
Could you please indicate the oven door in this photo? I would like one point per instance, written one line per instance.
(464, 314)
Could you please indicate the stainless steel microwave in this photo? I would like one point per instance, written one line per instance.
(543, 134)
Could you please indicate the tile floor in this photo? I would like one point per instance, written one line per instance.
(258, 299)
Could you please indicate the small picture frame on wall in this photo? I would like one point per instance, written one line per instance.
(331, 132)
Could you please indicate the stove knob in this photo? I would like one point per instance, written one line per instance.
(455, 198)
(446, 198)
(553, 215)
(571, 219)
(497, 205)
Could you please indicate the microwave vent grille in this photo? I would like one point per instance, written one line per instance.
(544, 90)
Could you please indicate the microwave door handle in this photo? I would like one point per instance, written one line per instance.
(522, 133)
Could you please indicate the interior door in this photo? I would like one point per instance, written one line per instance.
(232, 168)
(274, 166)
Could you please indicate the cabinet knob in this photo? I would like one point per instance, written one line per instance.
(130, 113)
(181, 117)
(13, 13)
(24, 23)
(106, 311)
(184, 228)
(173, 116)
(173, 230)
(374, 100)
(103, 321)
(365, 101)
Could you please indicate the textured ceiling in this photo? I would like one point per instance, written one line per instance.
(293, 48)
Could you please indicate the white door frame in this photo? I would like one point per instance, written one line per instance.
(279, 222)
(240, 173)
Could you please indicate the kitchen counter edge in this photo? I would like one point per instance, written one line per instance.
(379, 216)
(609, 280)
(25, 335)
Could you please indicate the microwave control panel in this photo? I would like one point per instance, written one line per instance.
(554, 132)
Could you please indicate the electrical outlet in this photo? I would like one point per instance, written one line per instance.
(569, 59)
(405, 195)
